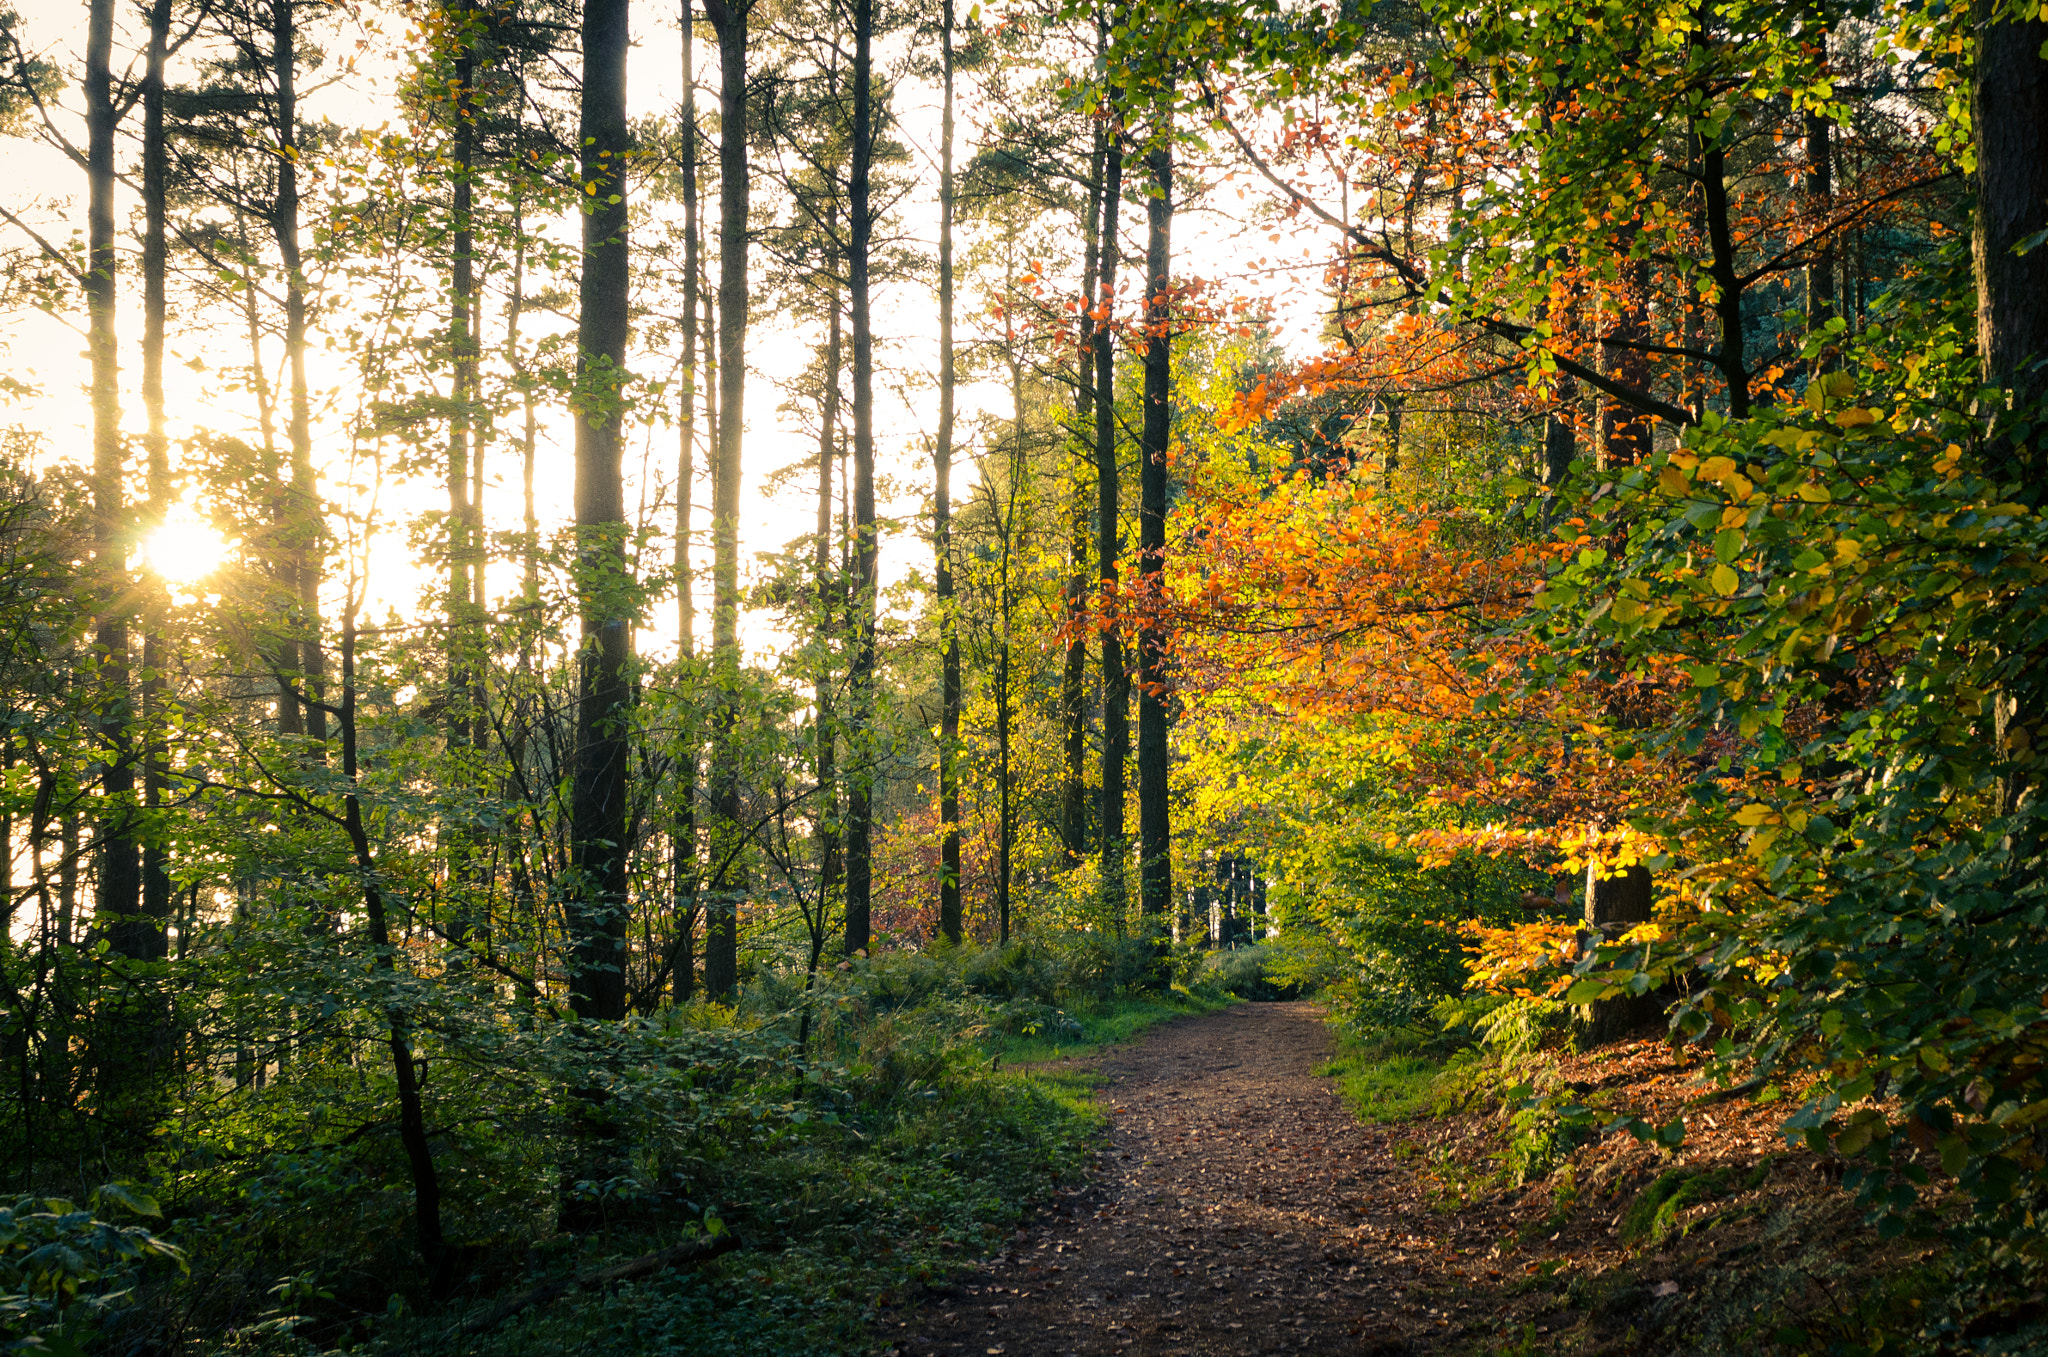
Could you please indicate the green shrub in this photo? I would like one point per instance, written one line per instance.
(1243, 971)
(64, 1272)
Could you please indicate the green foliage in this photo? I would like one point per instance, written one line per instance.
(64, 1271)
(1249, 973)
(1842, 590)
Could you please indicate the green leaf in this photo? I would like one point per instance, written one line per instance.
(1588, 991)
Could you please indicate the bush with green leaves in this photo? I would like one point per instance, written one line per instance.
(65, 1272)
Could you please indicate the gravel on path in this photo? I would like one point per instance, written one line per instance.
(1237, 1207)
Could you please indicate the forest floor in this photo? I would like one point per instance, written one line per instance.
(1239, 1206)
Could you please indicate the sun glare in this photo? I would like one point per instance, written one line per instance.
(185, 549)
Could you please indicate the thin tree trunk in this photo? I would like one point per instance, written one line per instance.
(461, 619)
(1820, 205)
(863, 747)
(597, 905)
(1116, 681)
(1155, 891)
(304, 529)
(119, 886)
(721, 953)
(683, 981)
(1074, 674)
(412, 1119)
(942, 524)
(831, 864)
(152, 936)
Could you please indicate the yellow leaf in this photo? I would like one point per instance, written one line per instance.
(1724, 580)
(1754, 813)
(1847, 549)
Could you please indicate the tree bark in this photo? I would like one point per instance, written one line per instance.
(683, 832)
(1074, 673)
(2009, 114)
(1155, 844)
(721, 943)
(1820, 206)
(152, 927)
(412, 1118)
(826, 591)
(462, 620)
(863, 747)
(597, 904)
(304, 529)
(1614, 905)
(118, 896)
(942, 524)
(1116, 682)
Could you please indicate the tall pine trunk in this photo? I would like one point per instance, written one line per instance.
(303, 526)
(1116, 680)
(721, 951)
(1155, 888)
(152, 935)
(826, 589)
(942, 523)
(597, 904)
(1074, 672)
(463, 638)
(118, 897)
(683, 830)
(863, 747)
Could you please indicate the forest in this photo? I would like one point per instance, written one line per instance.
(623, 627)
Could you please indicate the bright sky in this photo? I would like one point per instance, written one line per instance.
(47, 354)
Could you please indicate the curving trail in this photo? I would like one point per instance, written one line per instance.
(1237, 1208)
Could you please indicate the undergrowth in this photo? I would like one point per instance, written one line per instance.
(863, 1134)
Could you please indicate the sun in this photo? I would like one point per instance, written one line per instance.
(184, 548)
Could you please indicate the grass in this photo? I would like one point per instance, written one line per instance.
(843, 1230)
(1110, 1023)
(1390, 1078)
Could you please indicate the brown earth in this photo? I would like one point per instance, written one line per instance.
(1238, 1207)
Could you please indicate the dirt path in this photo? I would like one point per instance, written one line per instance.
(1238, 1208)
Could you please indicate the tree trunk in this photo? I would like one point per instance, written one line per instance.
(2009, 114)
(597, 903)
(1073, 676)
(1820, 206)
(1614, 905)
(825, 587)
(463, 640)
(152, 929)
(942, 525)
(683, 832)
(118, 897)
(721, 943)
(1155, 843)
(304, 529)
(864, 749)
(1116, 683)
(412, 1120)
